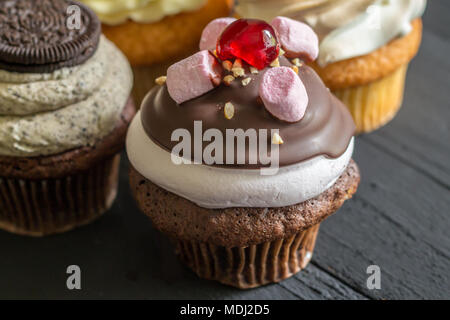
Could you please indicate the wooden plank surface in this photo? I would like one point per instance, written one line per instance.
(399, 220)
(400, 216)
(395, 224)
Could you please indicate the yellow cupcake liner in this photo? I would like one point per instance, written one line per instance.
(375, 104)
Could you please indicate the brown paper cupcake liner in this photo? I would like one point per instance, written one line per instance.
(253, 266)
(43, 207)
(375, 104)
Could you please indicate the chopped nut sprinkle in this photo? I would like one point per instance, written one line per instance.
(282, 52)
(229, 110)
(295, 68)
(246, 81)
(227, 65)
(276, 139)
(297, 62)
(275, 63)
(237, 63)
(238, 72)
(215, 53)
(253, 70)
(160, 80)
(228, 79)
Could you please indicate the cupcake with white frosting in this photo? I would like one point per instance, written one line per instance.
(64, 111)
(365, 48)
(152, 31)
(241, 152)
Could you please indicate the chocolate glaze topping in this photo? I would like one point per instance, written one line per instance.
(326, 129)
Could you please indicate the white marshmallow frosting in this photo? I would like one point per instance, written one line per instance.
(214, 187)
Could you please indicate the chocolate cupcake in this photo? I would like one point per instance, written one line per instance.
(240, 155)
(64, 112)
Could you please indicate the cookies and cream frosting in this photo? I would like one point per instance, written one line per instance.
(49, 113)
(113, 12)
(347, 28)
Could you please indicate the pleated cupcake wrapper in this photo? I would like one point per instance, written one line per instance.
(250, 267)
(43, 207)
(375, 104)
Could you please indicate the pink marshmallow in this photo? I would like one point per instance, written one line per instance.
(213, 31)
(193, 76)
(283, 94)
(297, 39)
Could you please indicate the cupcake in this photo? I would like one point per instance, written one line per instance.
(238, 158)
(365, 48)
(64, 112)
(155, 32)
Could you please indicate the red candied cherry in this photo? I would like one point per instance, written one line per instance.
(253, 41)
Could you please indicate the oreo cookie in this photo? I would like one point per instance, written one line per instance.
(43, 36)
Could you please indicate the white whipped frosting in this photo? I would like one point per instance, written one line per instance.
(46, 114)
(379, 24)
(115, 12)
(213, 187)
(347, 28)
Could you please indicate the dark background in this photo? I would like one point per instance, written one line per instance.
(398, 220)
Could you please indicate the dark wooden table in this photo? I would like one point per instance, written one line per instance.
(399, 220)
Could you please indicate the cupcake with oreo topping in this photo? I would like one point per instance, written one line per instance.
(64, 111)
(241, 154)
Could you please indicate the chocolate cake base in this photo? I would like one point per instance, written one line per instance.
(53, 194)
(242, 247)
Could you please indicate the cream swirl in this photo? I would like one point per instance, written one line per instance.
(347, 28)
(113, 12)
(28, 93)
(379, 24)
(77, 107)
